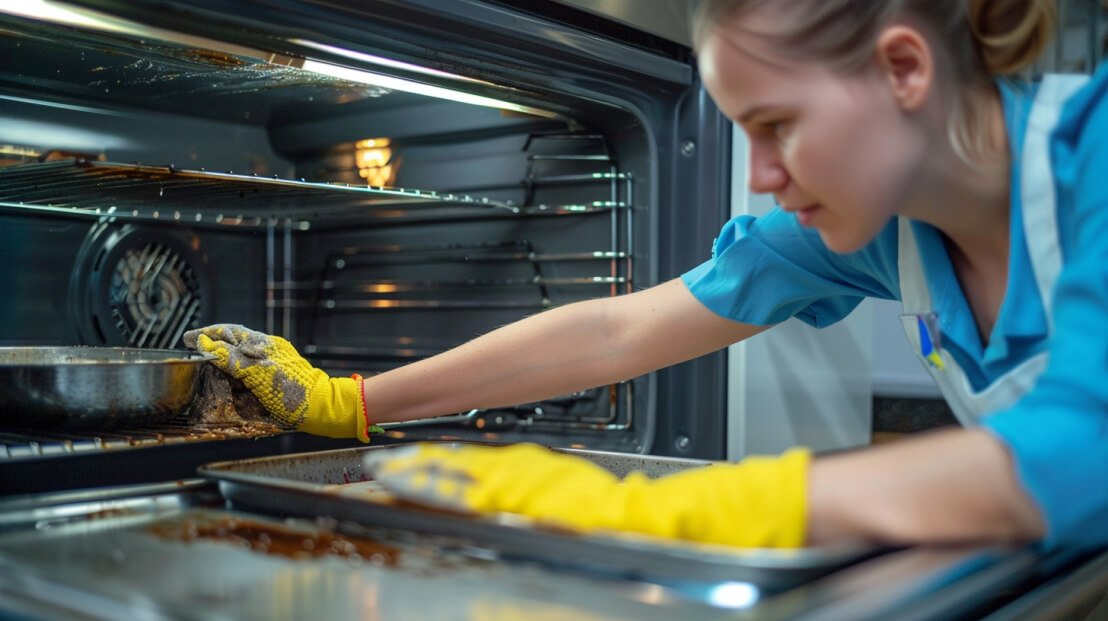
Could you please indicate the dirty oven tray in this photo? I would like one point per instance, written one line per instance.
(331, 483)
(169, 551)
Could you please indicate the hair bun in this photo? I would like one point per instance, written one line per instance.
(1010, 34)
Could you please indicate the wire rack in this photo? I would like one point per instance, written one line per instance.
(199, 197)
(33, 443)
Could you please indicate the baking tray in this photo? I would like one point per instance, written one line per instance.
(170, 551)
(331, 483)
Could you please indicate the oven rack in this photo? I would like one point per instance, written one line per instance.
(336, 293)
(89, 188)
(28, 443)
(407, 286)
(340, 296)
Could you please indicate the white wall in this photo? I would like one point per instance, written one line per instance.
(795, 385)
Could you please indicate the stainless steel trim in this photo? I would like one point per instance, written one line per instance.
(1060, 597)
(914, 584)
(29, 509)
(669, 19)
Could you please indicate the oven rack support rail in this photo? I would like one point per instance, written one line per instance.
(202, 198)
(287, 293)
(334, 294)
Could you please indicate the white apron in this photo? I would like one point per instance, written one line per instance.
(1040, 224)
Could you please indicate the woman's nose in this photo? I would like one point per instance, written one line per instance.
(767, 175)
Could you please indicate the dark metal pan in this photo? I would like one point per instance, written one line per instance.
(95, 387)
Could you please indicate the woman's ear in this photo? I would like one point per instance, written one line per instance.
(905, 57)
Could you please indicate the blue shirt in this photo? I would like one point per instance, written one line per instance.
(767, 269)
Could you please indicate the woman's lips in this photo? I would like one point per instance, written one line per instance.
(804, 215)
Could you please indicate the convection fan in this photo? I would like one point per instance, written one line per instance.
(138, 286)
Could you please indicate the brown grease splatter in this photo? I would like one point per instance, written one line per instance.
(279, 541)
(217, 59)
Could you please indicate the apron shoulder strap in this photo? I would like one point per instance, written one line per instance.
(914, 296)
(1037, 189)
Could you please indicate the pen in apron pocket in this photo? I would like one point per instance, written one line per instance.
(930, 338)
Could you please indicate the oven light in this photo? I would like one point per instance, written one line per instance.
(69, 138)
(61, 106)
(408, 86)
(59, 14)
(373, 156)
(379, 177)
(381, 61)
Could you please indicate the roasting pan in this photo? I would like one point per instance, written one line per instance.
(95, 387)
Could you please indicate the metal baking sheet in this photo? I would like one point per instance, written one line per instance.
(170, 551)
(331, 483)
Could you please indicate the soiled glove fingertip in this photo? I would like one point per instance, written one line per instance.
(203, 343)
(189, 338)
(222, 358)
(230, 332)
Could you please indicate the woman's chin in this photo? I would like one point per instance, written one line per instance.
(841, 242)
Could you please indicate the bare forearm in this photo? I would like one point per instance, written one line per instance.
(549, 354)
(947, 486)
(556, 352)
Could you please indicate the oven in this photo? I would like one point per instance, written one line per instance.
(379, 181)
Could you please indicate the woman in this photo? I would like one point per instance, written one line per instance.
(903, 168)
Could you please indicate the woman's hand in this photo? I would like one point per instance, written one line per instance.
(294, 392)
(759, 502)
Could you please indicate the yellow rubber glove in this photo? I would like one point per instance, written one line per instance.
(295, 393)
(759, 502)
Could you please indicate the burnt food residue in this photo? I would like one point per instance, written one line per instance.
(276, 540)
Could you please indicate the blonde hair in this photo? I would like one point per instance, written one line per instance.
(976, 40)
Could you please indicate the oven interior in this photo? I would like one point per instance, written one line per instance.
(156, 179)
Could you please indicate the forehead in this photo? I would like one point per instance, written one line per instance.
(741, 68)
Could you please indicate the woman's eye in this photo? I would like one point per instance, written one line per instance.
(770, 129)
(777, 128)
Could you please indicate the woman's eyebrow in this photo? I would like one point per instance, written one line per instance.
(752, 112)
(776, 109)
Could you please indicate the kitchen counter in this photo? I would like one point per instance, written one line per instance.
(910, 415)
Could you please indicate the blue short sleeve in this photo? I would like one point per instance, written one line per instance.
(767, 269)
(1058, 433)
